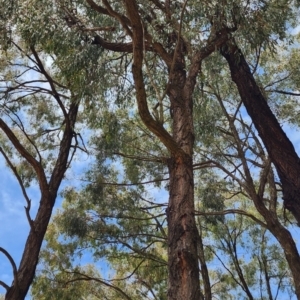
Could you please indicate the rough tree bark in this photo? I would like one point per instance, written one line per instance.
(183, 281)
(279, 147)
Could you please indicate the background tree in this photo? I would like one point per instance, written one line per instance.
(38, 142)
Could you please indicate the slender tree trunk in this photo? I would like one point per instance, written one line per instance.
(26, 271)
(24, 275)
(279, 147)
(204, 269)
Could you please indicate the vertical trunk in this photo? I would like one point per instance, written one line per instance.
(183, 265)
(182, 231)
(280, 148)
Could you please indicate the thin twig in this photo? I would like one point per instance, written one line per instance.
(13, 168)
(231, 211)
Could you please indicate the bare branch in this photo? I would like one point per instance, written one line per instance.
(264, 178)
(89, 278)
(284, 92)
(4, 285)
(20, 148)
(50, 81)
(13, 168)
(232, 211)
(13, 264)
(98, 29)
(21, 127)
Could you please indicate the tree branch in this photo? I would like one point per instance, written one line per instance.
(138, 46)
(49, 79)
(13, 168)
(13, 264)
(122, 19)
(215, 40)
(89, 278)
(4, 285)
(20, 148)
(284, 92)
(232, 211)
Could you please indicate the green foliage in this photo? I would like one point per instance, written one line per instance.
(113, 224)
(114, 218)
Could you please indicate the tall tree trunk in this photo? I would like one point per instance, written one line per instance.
(26, 271)
(279, 147)
(183, 234)
(183, 267)
(204, 269)
(183, 281)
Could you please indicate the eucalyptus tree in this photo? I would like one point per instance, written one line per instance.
(240, 155)
(165, 44)
(239, 257)
(34, 150)
(39, 110)
(114, 220)
(176, 38)
(280, 148)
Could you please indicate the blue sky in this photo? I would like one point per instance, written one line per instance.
(14, 225)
